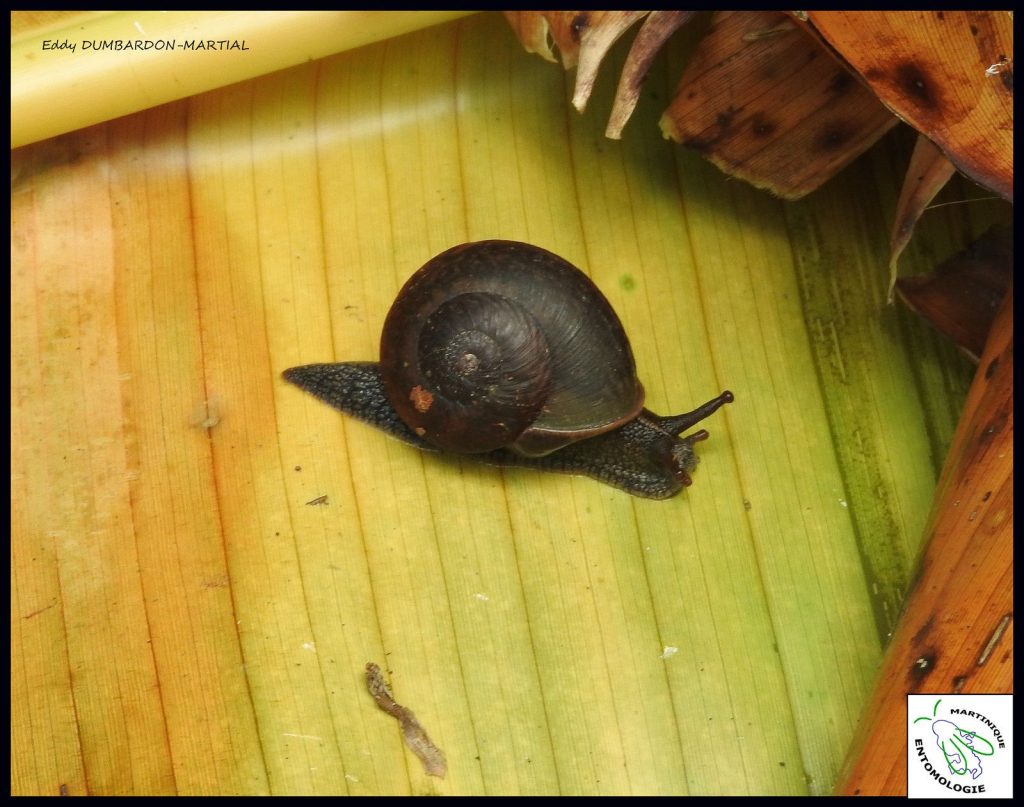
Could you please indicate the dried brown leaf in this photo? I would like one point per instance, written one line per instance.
(582, 37)
(927, 174)
(532, 28)
(961, 296)
(565, 28)
(949, 74)
(956, 630)
(765, 102)
(657, 28)
(598, 31)
(543, 31)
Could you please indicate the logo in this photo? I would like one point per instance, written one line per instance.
(959, 746)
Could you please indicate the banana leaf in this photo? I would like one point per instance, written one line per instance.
(204, 559)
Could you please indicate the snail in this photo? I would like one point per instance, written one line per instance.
(507, 353)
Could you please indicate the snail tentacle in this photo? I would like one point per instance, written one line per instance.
(677, 424)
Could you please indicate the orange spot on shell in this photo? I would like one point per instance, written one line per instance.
(421, 399)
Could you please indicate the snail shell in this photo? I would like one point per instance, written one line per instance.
(501, 344)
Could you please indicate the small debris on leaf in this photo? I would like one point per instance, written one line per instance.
(415, 737)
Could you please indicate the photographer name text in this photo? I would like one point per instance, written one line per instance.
(145, 44)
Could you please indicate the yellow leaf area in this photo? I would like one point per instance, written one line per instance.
(205, 559)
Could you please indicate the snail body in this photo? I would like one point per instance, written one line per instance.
(506, 352)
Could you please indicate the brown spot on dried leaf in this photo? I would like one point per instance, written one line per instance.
(922, 667)
(700, 144)
(915, 83)
(579, 22)
(762, 126)
(832, 137)
(724, 119)
(841, 82)
(994, 426)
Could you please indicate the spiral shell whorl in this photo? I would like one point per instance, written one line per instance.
(484, 363)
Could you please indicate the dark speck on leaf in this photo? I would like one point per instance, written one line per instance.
(915, 83)
(761, 126)
(579, 22)
(840, 83)
(831, 137)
